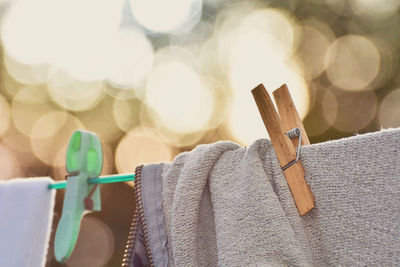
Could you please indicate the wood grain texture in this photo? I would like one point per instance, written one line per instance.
(301, 192)
(290, 118)
(284, 150)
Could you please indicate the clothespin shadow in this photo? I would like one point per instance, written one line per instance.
(284, 145)
(84, 161)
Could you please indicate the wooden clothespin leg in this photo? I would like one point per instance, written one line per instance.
(84, 161)
(284, 149)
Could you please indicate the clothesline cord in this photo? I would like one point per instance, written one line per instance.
(100, 180)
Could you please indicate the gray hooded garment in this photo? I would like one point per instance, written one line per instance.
(225, 205)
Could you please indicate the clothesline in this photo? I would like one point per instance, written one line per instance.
(100, 180)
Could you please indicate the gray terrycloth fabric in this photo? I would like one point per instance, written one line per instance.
(225, 205)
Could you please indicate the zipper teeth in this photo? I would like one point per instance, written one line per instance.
(128, 253)
(137, 217)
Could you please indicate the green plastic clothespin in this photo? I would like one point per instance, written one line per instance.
(84, 161)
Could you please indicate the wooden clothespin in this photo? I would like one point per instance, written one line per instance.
(285, 133)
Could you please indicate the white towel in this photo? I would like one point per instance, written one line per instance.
(26, 214)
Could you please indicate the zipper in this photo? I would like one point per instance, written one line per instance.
(138, 219)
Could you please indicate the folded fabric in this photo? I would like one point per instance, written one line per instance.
(225, 205)
(26, 214)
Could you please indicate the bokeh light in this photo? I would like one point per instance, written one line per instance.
(179, 97)
(276, 25)
(245, 122)
(25, 30)
(155, 78)
(127, 113)
(272, 74)
(375, 8)
(4, 115)
(20, 146)
(355, 110)
(150, 119)
(9, 164)
(258, 53)
(95, 244)
(316, 38)
(352, 62)
(9, 86)
(140, 146)
(51, 132)
(28, 105)
(100, 120)
(72, 94)
(389, 110)
(167, 16)
(49, 124)
(341, 7)
(324, 112)
(254, 58)
(27, 74)
(43, 32)
(17, 141)
(131, 59)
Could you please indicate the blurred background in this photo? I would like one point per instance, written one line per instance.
(154, 78)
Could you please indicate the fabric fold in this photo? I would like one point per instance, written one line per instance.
(225, 205)
(251, 224)
(185, 214)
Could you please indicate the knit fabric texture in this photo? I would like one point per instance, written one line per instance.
(225, 205)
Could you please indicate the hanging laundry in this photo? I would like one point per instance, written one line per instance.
(225, 205)
(26, 214)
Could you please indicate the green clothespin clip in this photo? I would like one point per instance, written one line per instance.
(84, 161)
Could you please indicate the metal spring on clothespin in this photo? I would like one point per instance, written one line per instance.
(292, 134)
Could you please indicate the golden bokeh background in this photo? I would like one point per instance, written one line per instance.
(155, 78)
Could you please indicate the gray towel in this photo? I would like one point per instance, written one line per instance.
(225, 205)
